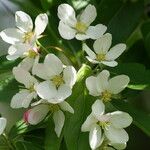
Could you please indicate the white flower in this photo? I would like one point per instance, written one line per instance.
(102, 51)
(59, 80)
(3, 123)
(24, 32)
(39, 112)
(25, 95)
(104, 87)
(71, 26)
(112, 125)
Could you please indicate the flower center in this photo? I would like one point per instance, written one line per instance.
(104, 121)
(100, 57)
(31, 89)
(81, 27)
(106, 96)
(57, 80)
(28, 37)
(54, 107)
(31, 53)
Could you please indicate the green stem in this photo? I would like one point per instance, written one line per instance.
(42, 47)
(8, 141)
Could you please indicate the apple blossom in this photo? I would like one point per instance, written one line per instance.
(104, 87)
(79, 27)
(59, 79)
(25, 95)
(103, 53)
(36, 114)
(110, 124)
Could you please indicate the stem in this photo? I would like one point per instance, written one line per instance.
(42, 47)
(8, 141)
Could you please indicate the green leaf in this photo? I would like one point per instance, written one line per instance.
(52, 142)
(139, 76)
(81, 103)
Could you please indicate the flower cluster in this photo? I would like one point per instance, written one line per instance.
(46, 84)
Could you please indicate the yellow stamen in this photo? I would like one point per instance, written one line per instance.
(28, 37)
(106, 96)
(57, 80)
(100, 57)
(81, 27)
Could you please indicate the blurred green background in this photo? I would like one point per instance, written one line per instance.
(127, 20)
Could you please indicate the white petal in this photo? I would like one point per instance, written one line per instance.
(20, 99)
(69, 76)
(64, 91)
(86, 126)
(66, 107)
(81, 37)
(115, 51)
(12, 35)
(46, 90)
(116, 135)
(59, 119)
(119, 146)
(24, 77)
(91, 54)
(37, 114)
(95, 32)
(95, 137)
(120, 119)
(118, 83)
(110, 63)
(3, 122)
(88, 15)
(91, 86)
(54, 64)
(93, 61)
(102, 45)
(26, 63)
(41, 22)
(98, 108)
(102, 80)
(23, 21)
(40, 70)
(66, 31)
(67, 14)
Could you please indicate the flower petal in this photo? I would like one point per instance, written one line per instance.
(3, 122)
(64, 91)
(95, 32)
(54, 64)
(23, 21)
(95, 137)
(120, 119)
(91, 86)
(102, 80)
(88, 15)
(86, 126)
(24, 77)
(41, 22)
(102, 45)
(67, 14)
(16, 51)
(118, 83)
(66, 107)
(37, 114)
(110, 63)
(46, 90)
(115, 52)
(66, 31)
(93, 61)
(119, 146)
(81, 37)
(116, 135)
(12, 35)
(69, 75)
(59, 119)
(21, 99)
(27, 63)
(91, 54)
(98, 109)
